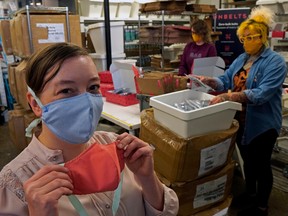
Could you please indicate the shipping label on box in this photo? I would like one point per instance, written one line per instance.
(202, 194)
(213, 156)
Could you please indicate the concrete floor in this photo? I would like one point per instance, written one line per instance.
(278, 202)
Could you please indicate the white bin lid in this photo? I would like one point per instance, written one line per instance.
(102, 24)
(282, 1)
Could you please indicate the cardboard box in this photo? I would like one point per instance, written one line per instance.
(157, 83)
(21, 85)
(6, 36)
(12, 80)
(180, 160)
(13, 37)
(17, 127)
(201, 194)
(46, 30)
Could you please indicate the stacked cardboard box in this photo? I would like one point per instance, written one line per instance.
(157, 83)
(172, 34)
(175, 6)
(201, 8)
(199, 168)
(46, 29)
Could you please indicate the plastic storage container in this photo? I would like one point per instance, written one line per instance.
(92, 8)
(124, 9)
(97, 34)
(272, 4)
(190, 123)
(101, 62)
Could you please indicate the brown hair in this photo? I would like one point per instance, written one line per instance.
(51, 57)
(201, 28)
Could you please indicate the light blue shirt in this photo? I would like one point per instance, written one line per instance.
(263, 90)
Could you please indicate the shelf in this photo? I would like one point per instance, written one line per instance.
(240, 3)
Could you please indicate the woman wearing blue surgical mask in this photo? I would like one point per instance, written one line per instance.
(255, 79)
(69, 168)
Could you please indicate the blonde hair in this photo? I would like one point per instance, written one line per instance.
(260, 20)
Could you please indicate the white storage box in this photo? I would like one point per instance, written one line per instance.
(97, 35)
(134, 10)
(101, 62)
(92, 8)
(272, 4)
(196, 122)
(124, 9)
(284, 5)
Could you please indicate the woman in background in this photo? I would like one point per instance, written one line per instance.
(255, 79)
(200, 47)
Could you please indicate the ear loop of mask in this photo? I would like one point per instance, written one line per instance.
(35, 122)
(117, 195)
(115, 204)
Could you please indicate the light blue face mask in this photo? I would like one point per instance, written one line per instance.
(72, 119)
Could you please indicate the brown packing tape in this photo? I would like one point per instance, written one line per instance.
(12, 80)
(178, 159)
(216, 188)
(13, 37)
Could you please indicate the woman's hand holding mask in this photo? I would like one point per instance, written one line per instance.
(44, 189)
(139, 159)
(137, 153)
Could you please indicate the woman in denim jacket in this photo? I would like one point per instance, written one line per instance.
(255, 79)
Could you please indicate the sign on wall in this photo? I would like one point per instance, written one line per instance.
(227, 21)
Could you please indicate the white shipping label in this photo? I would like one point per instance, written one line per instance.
(210, 192)
(213, 156)
(55, 32)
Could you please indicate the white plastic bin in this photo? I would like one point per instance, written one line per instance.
(101, 62)
(272, 4)
(97, 34)
(195, 122)
(124, 9)
(134, 10)
(92, 8)
(113, 8)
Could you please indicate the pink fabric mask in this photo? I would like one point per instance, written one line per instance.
(97, 169)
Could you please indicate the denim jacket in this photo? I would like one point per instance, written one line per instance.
(263, 90)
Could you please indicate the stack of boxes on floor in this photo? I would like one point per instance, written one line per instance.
(47, 27)
(199, 168)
